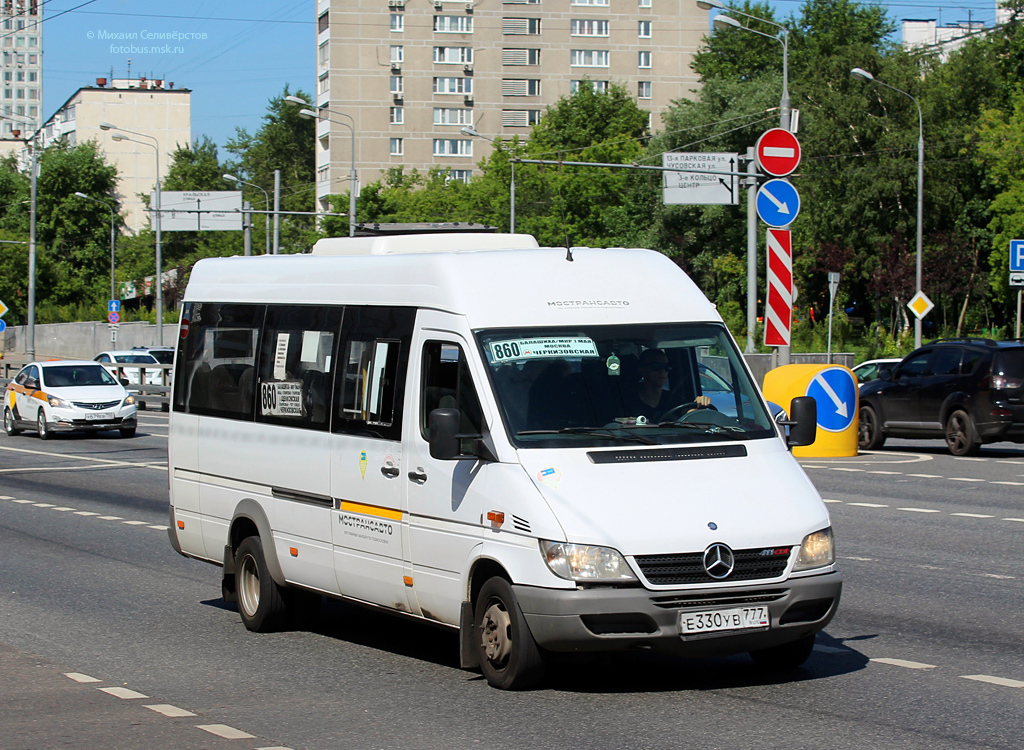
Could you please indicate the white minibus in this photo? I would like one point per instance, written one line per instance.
(546, 449)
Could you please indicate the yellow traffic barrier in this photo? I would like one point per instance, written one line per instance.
(834, 389)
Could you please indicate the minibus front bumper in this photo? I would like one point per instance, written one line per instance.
(614, 619)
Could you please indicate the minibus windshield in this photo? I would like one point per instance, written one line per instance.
(643, 383)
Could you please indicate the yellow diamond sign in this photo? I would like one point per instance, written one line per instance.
(3, 309)
(920, 305)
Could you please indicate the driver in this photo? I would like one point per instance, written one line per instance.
(652, 400)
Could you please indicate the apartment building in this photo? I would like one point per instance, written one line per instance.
(21, 66)
(159, 116)
(408, 75)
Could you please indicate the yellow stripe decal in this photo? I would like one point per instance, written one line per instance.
(371, 510)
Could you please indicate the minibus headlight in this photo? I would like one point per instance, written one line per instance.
(57, 403)
(585, 562)
(816, 550)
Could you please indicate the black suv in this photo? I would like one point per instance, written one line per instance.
(968, 391)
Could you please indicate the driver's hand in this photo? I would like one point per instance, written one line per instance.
(703, 401)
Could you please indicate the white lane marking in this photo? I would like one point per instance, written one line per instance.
(1021, 520)
(23, 502)
(971, 515)
(159, 528)
(135, 523)
(906, 664)
(104, 461)
(832, 501)
(844, 468)
(809, 466)
(1012, 484)
(94, 467)
(1005, 682)
(996, 576)
(6, 497)
(869, 505)
(79, 677)
(920, 510)
(962, 458)
(168, 710)
(62, 510)
(885, 472)
(965, 479)
(859, 559)
(122, 693)
(1007, 461)
(228, 733)
(44, 505)
(275, 747)
(109, 518)
(925, 476)
(85, 513)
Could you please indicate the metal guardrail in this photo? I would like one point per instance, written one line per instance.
(148, 395)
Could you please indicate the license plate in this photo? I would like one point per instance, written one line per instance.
(741, 618)
(101, 416)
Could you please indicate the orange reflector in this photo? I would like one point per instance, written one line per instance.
(408, 580)
(294, 551)
(181, 524)
(496, 517)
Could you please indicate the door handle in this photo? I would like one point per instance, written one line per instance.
(419, 476)
(390, 471)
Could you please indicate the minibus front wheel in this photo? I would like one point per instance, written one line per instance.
(509, 656)
(260, 601)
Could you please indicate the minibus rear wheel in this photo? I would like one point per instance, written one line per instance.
(785, 657)
(509, 656)
(260, 601)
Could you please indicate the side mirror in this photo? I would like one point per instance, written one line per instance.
(884, 373)
(803, 421)
(444, 431)
(124, 381)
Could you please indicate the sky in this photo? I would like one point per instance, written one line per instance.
(235, 56)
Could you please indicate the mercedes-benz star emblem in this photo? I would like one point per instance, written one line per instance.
(718, 561)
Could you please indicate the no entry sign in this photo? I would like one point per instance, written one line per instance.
(778, 152)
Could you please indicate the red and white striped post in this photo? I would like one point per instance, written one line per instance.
(779, 310)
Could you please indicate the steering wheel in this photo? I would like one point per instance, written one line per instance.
(683, 409)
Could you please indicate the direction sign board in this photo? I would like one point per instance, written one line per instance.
(778, 152)
(779, 308)
(114, 305)
(1017, 255)
(699, 185)
(835, 391)
(113, 317)
(197, 210)
(920, 305)
(778, 203)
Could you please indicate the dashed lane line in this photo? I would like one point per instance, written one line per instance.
(905, 664)
(1012, 484)
(93, 459)
(1019, 520)
(920, 510)
(869, 505)
(79, 677)
(228, 733)
(994, 680)
(925, 476)
(965, 479)
(885, 472)
(122, 693)
(89, 514)
(972, 515)
(170, 711)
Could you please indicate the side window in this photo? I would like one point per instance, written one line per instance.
(447, 384)
(103, 358)
(21, 377)
(372, 362)
(916, 367)
(947, 361)
(33, 374)
(295, 373)
(970, 361)
(216, 371)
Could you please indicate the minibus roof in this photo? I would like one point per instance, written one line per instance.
(494, 285)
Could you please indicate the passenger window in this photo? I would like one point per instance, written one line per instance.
(947, 362)
(22, 377)
(447, 384)
(970, 361)
(217, 358)
(296, 353)
(373, 358)
(917, 366)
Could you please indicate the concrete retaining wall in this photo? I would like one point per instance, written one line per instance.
(84, 340)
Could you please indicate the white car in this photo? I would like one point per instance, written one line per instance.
(65, 396)
(869, 370)
(130, 364)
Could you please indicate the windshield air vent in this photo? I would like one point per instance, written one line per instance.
(667, 454)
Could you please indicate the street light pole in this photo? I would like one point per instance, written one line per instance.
(864, 75)
(353, 179)
(159, 246)
(472, 132)
(33, 166)
(266, 197)
(113, 236)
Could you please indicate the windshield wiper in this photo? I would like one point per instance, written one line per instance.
(596, 431)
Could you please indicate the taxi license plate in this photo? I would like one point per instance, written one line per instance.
(741, 618)
(101, 416)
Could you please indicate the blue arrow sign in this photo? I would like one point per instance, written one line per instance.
(835, 391)
(1017, 255)
(3, 326)
(114, 305)
(778, 203)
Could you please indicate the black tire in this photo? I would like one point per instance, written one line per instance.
(961, 437)
(41, 428)
(128, 432)
(869, 435)
(261, 602)
(10, 426)
(786, 657)
(509, 656)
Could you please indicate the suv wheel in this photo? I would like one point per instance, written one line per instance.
(961, 438)
(870, 435)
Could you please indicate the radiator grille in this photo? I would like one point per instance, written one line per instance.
(95, 406)
(719, 599)
(685, 568)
